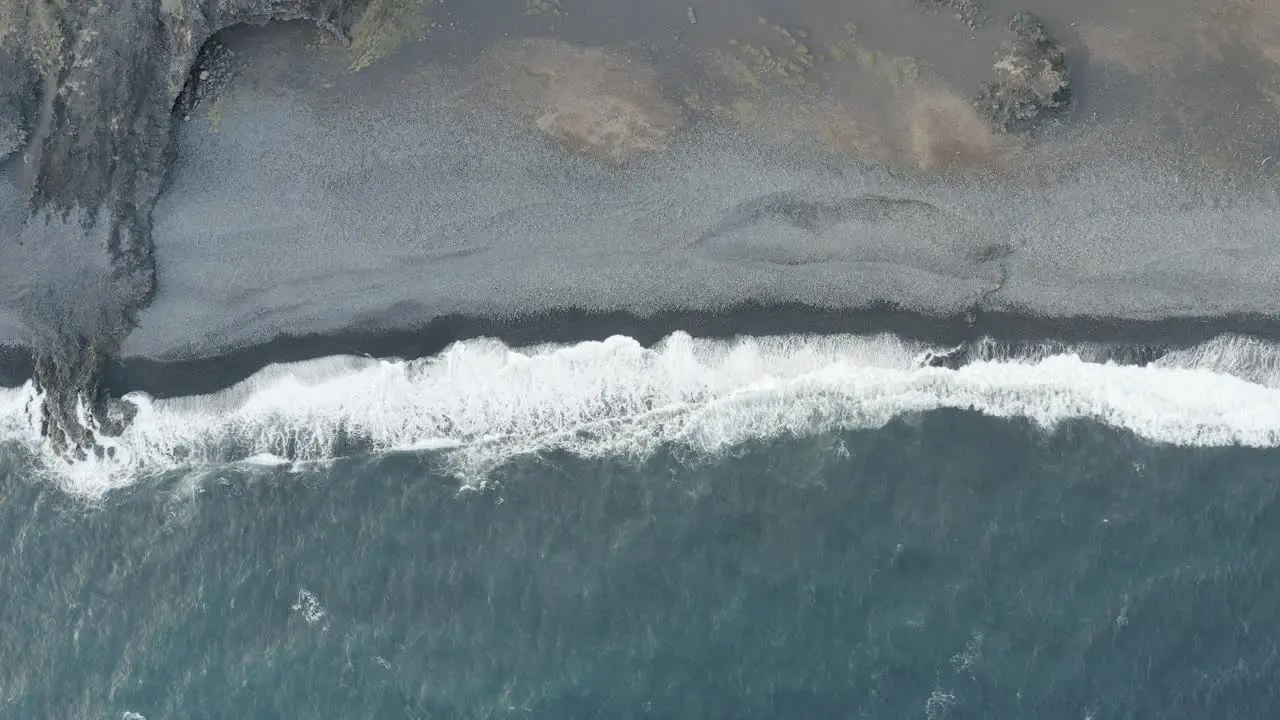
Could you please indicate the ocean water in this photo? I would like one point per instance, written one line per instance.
(784, 527)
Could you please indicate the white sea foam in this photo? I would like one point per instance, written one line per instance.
(308, 605)
(1245, 357)
(480, 402)
(19, 413)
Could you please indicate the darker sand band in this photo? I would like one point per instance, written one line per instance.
(1131, 340)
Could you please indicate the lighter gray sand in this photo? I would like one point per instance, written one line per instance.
(440, 166)
(301, 205)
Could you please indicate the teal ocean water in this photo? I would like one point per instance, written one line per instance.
(787, 528)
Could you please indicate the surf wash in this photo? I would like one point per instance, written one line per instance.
(481, 402)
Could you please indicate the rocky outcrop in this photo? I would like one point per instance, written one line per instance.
(968, 12)
(877, 107)
(1031, 78)
(87, 93)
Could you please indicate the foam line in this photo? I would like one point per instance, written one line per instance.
(481, 403)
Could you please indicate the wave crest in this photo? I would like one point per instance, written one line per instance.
(481, 402)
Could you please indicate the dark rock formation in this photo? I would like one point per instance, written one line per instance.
(19, 93)
(87, 92)
(210, 74)
(1031, 78)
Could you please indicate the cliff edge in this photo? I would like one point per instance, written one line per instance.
(87, 92)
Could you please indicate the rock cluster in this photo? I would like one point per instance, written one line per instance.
(1031, 78)
(968, 12)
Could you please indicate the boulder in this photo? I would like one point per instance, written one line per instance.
(1031, 82)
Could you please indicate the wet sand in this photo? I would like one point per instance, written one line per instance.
(1123, 340)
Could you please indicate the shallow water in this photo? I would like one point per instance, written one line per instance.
(774, 526)
(945, 565)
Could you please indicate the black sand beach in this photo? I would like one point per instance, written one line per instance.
(1125, 341)
(1120, 340)
(1029, 478)
(389, 176)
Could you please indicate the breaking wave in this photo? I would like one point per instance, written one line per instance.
(480, 402)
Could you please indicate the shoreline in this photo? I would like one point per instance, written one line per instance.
(400, 158)
(1138, 340)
